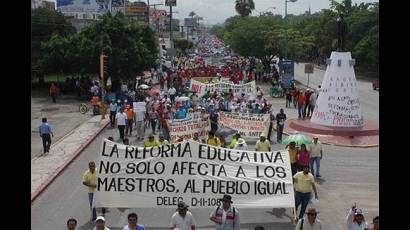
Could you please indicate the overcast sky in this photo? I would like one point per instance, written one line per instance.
(216, 11)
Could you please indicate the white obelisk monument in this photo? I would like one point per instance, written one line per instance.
(338, 103)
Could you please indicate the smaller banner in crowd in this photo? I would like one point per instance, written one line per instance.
(202, 88)
(185, 128)
(139, 107)
(249, 125)
(189, 171)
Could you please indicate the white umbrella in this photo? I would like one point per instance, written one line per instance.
(143, 86)
(183, 98)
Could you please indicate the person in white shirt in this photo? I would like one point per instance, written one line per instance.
(94, 89)
(355, 219)
(316, 154)
(311, 223)
(182, 219)
(120, 119)
(172, 91)
(312, 103)
(140, 110)
(124, 88)
(226, 217)
(100, 224)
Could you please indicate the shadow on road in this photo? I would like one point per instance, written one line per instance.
(280, 213)
(320, 180)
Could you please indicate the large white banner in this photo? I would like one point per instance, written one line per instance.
(249, 125)
(185, 128)
(198, 174)
(202, 88)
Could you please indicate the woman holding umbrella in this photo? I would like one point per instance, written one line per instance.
(303, 157)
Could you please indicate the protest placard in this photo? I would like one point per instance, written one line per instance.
(185, 128)
(202, 88)
(198, 174)
(249, 125)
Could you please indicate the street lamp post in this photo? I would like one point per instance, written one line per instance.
(286, 27)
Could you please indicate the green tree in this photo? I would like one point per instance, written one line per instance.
(311, 37)
(45, 23)
(55, 54)
(192, 14)
(130, 47)
(244, 7)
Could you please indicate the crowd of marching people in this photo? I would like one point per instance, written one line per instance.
(143, 109)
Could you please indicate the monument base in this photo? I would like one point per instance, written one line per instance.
(366, 136)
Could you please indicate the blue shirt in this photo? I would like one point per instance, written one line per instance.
(113, 107)
(256, 110)
(44, 129)
(180, 114)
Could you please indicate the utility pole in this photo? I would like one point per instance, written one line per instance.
(170, 26)
(170, 3)
(148, 11)
(157, 27)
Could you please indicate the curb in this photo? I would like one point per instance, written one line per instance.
(341, 145)
(58, 171)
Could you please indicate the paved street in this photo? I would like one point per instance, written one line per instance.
(349, 175)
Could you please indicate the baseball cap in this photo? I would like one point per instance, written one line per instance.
(100, 218)
(358, 211)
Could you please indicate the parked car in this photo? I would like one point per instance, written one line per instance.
(375, 84)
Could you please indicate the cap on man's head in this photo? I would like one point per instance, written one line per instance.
(182, 206)
(316, 137)
(151, 136)
(226, 198)
(358, 211)
(262, 135)
(241, 141)
(100, 218)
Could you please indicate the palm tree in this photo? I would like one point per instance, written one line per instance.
(192, 14)
(244, 7)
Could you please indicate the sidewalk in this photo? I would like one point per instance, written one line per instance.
(73, 132)
(45, 168)
(63, 117)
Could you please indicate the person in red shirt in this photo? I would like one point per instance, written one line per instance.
(95, 102)
(301, 104)
(250, 76)
(53, 92)
(130, 119)
(303, 157)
